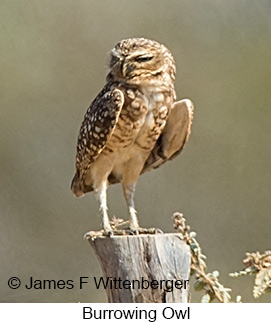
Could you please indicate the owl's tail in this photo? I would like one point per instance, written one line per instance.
(76, 186)
(79, 187)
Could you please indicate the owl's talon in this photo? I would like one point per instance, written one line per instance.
(108, 233)
(146, 231)
(129, 232)
(92, 235)
(157, 230)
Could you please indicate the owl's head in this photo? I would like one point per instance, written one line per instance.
(136, 60)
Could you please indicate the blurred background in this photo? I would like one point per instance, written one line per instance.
(54, 57)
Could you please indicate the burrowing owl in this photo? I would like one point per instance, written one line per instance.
(133, 125)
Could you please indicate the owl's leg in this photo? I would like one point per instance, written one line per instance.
(130, 176)
(100, 193)
(129, 192)
(129, 180)
(98, 175)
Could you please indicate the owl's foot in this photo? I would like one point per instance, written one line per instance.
(139, 230)
(92, 235)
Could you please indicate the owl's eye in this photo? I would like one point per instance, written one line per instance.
(142, 59)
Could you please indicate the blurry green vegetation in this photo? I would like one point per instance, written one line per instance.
(256, 264)
(53, 63)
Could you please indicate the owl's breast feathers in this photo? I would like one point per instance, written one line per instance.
(141, 120)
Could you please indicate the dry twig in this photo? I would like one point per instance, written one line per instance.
(259, 265)
(204, 281)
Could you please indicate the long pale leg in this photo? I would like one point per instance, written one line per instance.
(129, 192)
(130, 176)
(99, 174)
(129, 180)
(100, 193)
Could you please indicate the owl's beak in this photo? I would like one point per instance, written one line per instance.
(127, 68)
(122, 67)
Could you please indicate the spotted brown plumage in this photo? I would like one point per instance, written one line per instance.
(97, 127)
(133, 125)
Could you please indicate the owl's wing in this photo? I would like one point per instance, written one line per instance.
(97, 127)
(174, 135)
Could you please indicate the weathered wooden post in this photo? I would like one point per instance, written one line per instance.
(144, 268)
